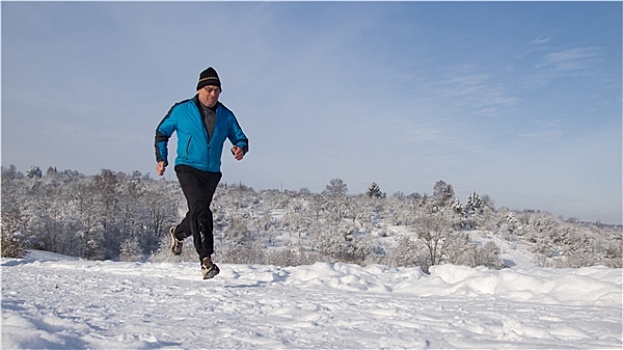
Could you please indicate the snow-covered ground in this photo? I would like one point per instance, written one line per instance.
(55, 302)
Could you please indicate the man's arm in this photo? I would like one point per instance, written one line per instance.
(238, 139)
(163, 133)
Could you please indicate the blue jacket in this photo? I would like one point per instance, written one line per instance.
(194, 147)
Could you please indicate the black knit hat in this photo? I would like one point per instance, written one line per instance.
(208, 77)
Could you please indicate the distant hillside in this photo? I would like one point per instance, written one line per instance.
(121, 216)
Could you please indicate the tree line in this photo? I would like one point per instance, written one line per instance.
(113, 215)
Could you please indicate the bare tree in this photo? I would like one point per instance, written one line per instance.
(336, 187)
(435, 229)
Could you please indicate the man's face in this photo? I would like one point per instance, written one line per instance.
(208, 95)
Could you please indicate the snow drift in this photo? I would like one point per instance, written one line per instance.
(50, 301)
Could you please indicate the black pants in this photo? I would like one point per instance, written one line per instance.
(198, 187)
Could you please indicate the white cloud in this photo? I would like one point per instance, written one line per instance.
(471, 89)
(571, 61)
(558, 64)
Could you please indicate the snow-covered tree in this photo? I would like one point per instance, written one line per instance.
(443, 193)
(34, 172)
(130, 250)
(436, 229)
(336, 188)
(474, 204)
(112, 215)
(14, 215)
(374, 191)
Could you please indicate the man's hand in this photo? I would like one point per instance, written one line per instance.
(160, 168)
(237, 152)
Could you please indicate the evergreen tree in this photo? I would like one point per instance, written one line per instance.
(34, 172)
(443, 193)
(374, 191)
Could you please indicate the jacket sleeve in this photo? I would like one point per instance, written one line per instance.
(163, 132)
(237, 136)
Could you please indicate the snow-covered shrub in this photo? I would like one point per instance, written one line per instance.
(12, 245)
(130, 250)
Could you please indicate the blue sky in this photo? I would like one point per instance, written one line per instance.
(520, 101)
